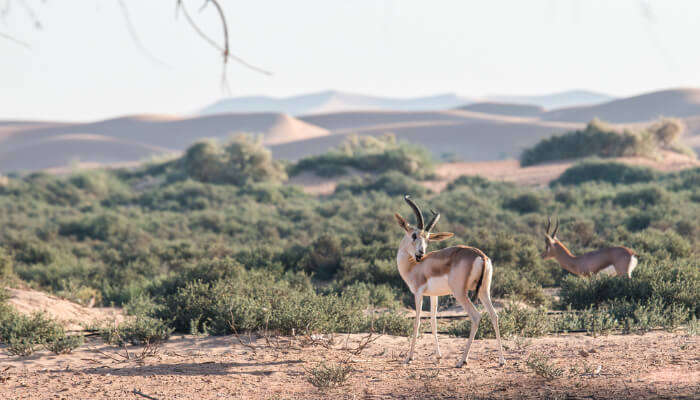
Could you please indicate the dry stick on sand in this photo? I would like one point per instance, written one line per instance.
(139, 393)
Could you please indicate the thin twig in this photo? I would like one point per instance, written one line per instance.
(15, 40)
(31, 14)
(135, 36)
(225, 50)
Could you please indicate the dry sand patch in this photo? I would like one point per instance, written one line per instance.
(655, 365)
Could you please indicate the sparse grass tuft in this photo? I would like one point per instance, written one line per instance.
(66, 344)
(542, 366)
(329, 375)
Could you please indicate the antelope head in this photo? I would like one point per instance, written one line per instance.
(550, 239)
(417, 237)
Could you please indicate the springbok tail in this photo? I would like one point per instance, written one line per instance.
(486, 265)
(632, 265)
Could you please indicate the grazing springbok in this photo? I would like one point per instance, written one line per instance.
(619, 261)
(453, 270)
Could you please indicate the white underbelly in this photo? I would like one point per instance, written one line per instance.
(437, 286)
(609, 270)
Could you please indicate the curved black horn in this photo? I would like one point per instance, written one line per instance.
(433, 222)
(556, 228)
(548, 225)
(416, 210)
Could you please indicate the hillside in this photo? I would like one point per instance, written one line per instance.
(44, 145)
(550, 101)
(512, 109)
(463, 134)
(645, 107)
(330, 101)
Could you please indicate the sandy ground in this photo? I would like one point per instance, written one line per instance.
(72, 315)
(655, 365)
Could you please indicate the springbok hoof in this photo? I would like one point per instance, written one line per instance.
(501, 362)
(460, 364)
(408, 360)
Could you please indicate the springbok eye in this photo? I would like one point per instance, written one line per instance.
(414, 236)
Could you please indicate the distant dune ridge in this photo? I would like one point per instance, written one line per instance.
(512, 109)
(570, 98)
(481, 131)
(331, 101)
(645, 107)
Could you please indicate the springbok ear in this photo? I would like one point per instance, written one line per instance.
(402, 222)
(437, 237)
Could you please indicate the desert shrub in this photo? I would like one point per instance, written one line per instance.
(242, 160)
(203, 161)
(24, 334)
(597, 139)
(5, 265)
(140, 330)
(323, 257)
(513, 320)
(325, 376)
(65, 344)
(392, 183)
(524, 203)
(672, 284)
(390, 323)
(542, 366)
(645, 197)
(469, 181)
(368, 153)
(611, 172)
(667, 131)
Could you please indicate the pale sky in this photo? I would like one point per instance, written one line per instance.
(84, 65)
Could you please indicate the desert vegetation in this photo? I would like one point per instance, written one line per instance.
(604, 140)
(372, 154)
(214, 243)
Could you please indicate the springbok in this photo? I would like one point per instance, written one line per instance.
(618, 261)
(453, 270)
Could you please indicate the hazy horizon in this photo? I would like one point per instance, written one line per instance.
(83, 65)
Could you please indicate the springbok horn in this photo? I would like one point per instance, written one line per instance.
(433, 222)
(556, 228)
(548, 225)
(416, 210)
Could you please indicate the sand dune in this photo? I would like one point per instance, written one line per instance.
(569, 98)
(38, 146)
(512, 109)
(645, 107)
(330, 101)
(72, 315)
(465, 134)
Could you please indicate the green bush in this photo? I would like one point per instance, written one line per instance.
(66, 344)
(392, 183)
(140, 330)
(24, 334)
(373, 154)
(611, 172)
(242, 160)
(5, 265)
(513, 320)
(670, 284)
(597, 139)
(646, 197)
(525, 203)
